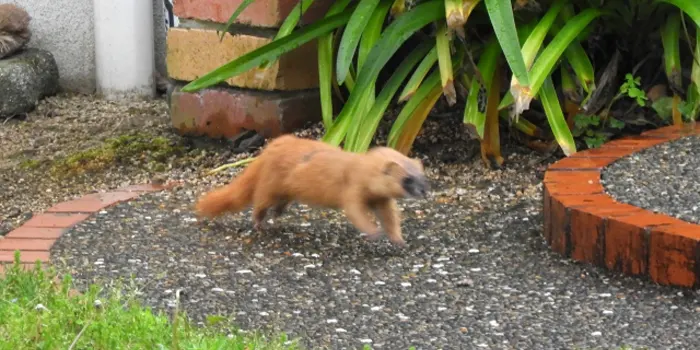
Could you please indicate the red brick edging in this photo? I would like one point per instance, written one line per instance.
(584, 223)
(35, 237)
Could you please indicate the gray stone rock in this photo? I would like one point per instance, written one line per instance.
(26, 78)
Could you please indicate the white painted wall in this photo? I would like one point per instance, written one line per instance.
(66, 29)
(124, 52)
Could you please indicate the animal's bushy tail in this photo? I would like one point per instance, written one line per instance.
(233, 197)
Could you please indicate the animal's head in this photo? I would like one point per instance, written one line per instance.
(401, 176)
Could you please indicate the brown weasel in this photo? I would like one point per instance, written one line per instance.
(14, 29)
(320, 175)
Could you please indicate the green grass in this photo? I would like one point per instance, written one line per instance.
(38, 312)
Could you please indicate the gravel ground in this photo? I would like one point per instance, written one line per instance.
(476, 274)
(663, 179)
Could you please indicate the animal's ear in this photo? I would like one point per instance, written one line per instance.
(391, 167)
(418, 162)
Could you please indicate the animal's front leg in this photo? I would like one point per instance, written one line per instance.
(389, 216)
(358, 214)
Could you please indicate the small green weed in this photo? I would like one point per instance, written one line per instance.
(38, 312)
(29, 164)
(664, 108)
(631, 88)
(137, 148)
(593, 129)
(596, 130)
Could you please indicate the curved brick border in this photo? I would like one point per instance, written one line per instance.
(583, 223)
(35, 237)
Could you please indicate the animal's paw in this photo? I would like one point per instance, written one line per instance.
(371, 237)
(399, 242)
(259, 226)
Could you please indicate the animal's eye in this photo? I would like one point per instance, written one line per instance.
(408, 181)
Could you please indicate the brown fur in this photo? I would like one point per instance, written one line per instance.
(14, 29)
(318, 174)
(412, 166)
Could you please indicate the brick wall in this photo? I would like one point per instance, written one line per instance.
(273, 101)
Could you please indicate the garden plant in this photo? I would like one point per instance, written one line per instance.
(550, 69)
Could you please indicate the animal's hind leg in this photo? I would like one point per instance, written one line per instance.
(262, 204)
(279, 208)
(266, 202)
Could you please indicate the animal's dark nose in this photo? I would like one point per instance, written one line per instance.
(416, 187)
(425, 187)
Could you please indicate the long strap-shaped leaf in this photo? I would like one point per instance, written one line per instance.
(293, 18)
(404, 142)
(694, 93)
(370, 36)
(372, 118)
(289, 23)
(545, 63)
(351, 37)
(268, 52)
(372, 31)
(576, 55)
(325, 78)
(555, 117)
(392, 38)
(233, 17)
(325, 66)
(491, 143)
(501, 15)
(424, 92)
(534, 41)
(355, 125)
(670, 34)
(475, 110)
(442, 43)
(428, 85)
(583, 67)
(690, 7)
(419, 74)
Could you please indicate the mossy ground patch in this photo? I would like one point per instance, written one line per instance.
(135, 149)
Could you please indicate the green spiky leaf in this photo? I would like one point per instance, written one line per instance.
(268, 52)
